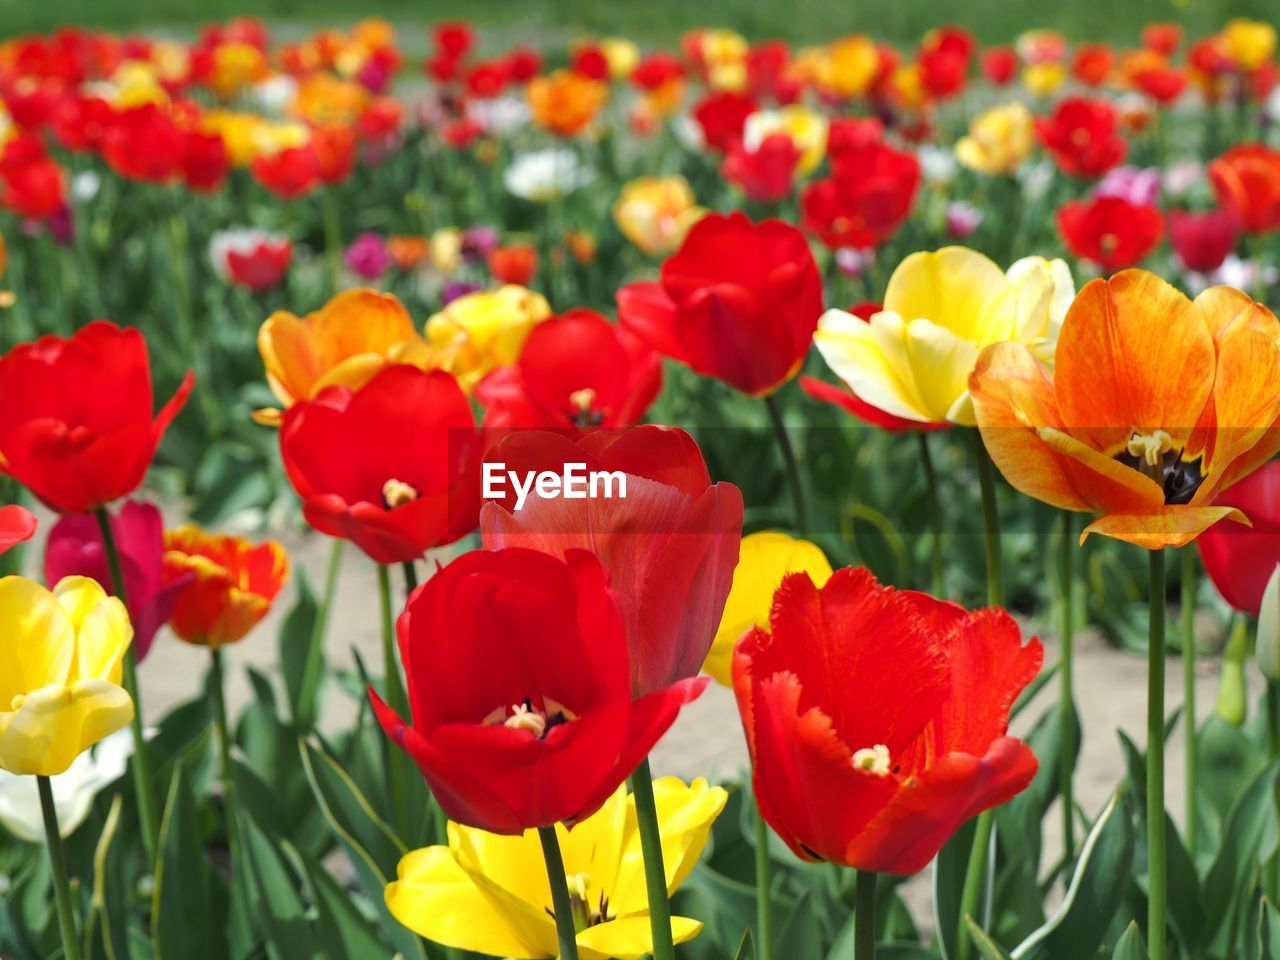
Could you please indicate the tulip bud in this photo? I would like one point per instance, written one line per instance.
(1232, 705)
(1268, 643)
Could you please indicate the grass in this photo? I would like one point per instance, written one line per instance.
(657, 22)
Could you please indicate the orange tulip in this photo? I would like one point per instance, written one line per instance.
(1154, 405)
(565, 102)
(232, 585)
(345, 342)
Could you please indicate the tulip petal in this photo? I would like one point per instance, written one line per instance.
(941, 363)
(871, 357)
(1105, 483)
(629, 938)
(1171, 526)
(55, 724)
(957, 288)
(103, 631)
(43, 651)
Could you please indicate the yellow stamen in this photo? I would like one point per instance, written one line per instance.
(583, 400)
(1150, 448)
(873, 760)
(396, 493)
(526, 718)
(577, 883)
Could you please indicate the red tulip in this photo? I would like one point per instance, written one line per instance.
(943, 60)
(1110, 231)
(1082, 137)
(1093, 63)
(765, 174)
(589, 61)
(1162, 84)
(17, 524)
(334, 148)
(392, 467)
(999, 65)
(454, 38)
(1240, 560)
(1203, 240)
(34, 185)
(844, 397)
(575, 371)
(205, 162)
(76, 423)
(1246, 181)
(516, 263)
(722, 117)
(80, 122)
(520, 688)
(289, 173)
(655, 71)
(143, 143)
(670, 545)
(738, 301)
(866, 199)
(877, 719)
(1163, 38)
(523, 64)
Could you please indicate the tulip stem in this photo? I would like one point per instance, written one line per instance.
(561, 906)
(1271, 884)
(140, 763)
(655, 871)
(935, 512)
(222, 729)
(1155, 760)
(974, 880)
(789, 459)
(58, 865)
(1066, 770)
(764, 910)
(396, 700)
(332, 241)
(990, 520)
(313, 665)
(864, 916)
(1189, 690)
(410, 577)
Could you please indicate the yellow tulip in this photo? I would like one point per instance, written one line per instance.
(655, 213)
(60, 687)
(913, 359)
(806, 128)
(851, 65)
(765, 558)
(446, 249)
(999, 140)
(1250, 43)
(489, 893)
(1042, 79)
(484, 330)
(346, 342)
(621, 55)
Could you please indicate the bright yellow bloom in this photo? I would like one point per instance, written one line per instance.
(325, 99)
(655, 213)
(1042, 79)
(622, 56)
(446, 249)
(136, 83)
(765, 558)
(60, 687)
(725, 54)
(851, 65)
(484, 330)
(489, 893)
(1250, 43)
(999, 140)
(236, 66)
(913, 359)
(907, 84)
(347, 341)
(806, 128)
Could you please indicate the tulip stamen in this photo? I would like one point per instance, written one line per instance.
(1149, 449)
(584, 915)
(873, 760)
(396, 493)
(583, 405)
(1154, 456)
(525, 716)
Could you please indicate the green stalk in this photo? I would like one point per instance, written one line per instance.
(410, 577)
(58, 865)
(1189, 690)
(1066, 772)
(764, 912)
(864, 916)
(655, 872)
(1155, 761)
(935, 512)
(1272, 884)
(975, 873)
(789, 459)
(230, 810)
(140, 763)
(312, 666)
(561, 906)
(332, 240)
(395, 696)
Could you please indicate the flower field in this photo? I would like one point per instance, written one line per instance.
(835, 375)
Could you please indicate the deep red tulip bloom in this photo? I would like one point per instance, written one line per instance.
(738, 301)
(1246, 181)
(577, 370)
(454, 38)
(1240, 560)
(1093, 63)
(523, 64)
(289, 173)
(865, 201)
(1162, 84)
(75, 549)
(392, 467)
(844, 397)
(1163, 38)
(1110, 231)
(17, 525)
(32, 184)
(144, 143)
(999, 65)
(722, 117)
(877, 719)
(205, 161)
(520, 690)
(670, 545)
(334, 149)
(515, 263)
(767, 173)
(943, 60)
(76, 425)
(1203, 240)
(1082, 135)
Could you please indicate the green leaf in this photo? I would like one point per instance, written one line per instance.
(983, 943)
(302, 679)
(1185, 898)
(277, 901)
(1130, 945)
(746, 947)
(188, 912)
(109, 885)
(1078, 927)
(1237, 858)
(343, 926)
(949, 868)
(1268, 932)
